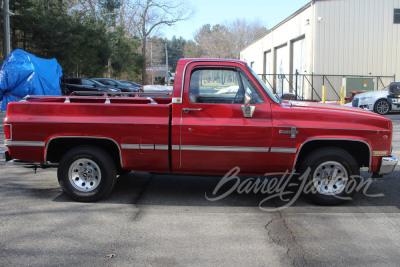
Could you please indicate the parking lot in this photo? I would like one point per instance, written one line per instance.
(165, 220)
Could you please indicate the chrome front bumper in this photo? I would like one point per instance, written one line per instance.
(388, 164)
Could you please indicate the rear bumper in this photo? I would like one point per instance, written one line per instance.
(388, 164)
(4, 156)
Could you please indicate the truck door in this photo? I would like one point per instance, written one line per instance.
(215, 136)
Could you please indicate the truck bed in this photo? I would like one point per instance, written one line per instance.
(125, 121)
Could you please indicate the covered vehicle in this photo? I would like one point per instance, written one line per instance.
(23, 74)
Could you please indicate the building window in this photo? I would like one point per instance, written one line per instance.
(396, 19)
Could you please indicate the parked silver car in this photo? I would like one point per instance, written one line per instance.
(376, 101)
(381, 101)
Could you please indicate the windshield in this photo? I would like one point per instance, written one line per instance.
(264, 86)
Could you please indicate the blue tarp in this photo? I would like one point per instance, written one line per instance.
(23, 74)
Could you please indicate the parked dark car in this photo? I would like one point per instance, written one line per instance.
(77, 84)
(117, 84)
(129, 83)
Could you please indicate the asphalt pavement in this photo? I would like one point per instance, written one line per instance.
(166, 220)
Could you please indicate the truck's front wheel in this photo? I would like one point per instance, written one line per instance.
(333, 176)
(86, 173)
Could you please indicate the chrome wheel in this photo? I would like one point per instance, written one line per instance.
(382, 107)
(84, 175)
(330, 178)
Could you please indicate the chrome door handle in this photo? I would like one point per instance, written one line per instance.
(186, 110)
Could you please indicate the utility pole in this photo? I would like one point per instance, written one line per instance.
(166, 64)
(6, 15)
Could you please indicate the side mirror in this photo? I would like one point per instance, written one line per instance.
(247, 109)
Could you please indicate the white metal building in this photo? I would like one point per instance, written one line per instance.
(330, 37)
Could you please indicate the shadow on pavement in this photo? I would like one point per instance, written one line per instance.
(145, 189)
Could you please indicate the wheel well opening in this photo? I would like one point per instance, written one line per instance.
(58, 147)
(359, 150)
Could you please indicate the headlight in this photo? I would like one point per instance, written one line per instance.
(113, 90)
(365, 98)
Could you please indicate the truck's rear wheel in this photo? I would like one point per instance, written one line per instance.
(334, 175)
(86, 173)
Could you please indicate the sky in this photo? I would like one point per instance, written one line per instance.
(268, 12)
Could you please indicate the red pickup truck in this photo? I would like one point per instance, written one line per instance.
(220, 115)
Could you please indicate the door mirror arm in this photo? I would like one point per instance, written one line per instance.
(247, 109)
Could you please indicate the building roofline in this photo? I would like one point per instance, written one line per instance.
(282, 22)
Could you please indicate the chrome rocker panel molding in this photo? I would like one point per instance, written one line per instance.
(25, 143)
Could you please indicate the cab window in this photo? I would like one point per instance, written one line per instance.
(221, 86)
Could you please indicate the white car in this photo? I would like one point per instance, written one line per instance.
(376, 101)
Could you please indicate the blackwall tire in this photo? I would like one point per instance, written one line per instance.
(334, 175)
(86, 173)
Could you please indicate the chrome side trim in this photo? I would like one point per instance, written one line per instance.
(83, 137)
(328, 128)
(176, 147)
(144, 146)
(264, 126)
(224, 148)
(161, 147)
(25, 143)
(288, 150)
(130, 146)
(333, 139)
(197, 148)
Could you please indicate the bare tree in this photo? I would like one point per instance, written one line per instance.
(226, 40)
(146, 16)
(243, 33)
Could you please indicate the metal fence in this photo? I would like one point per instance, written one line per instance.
(309, 86)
